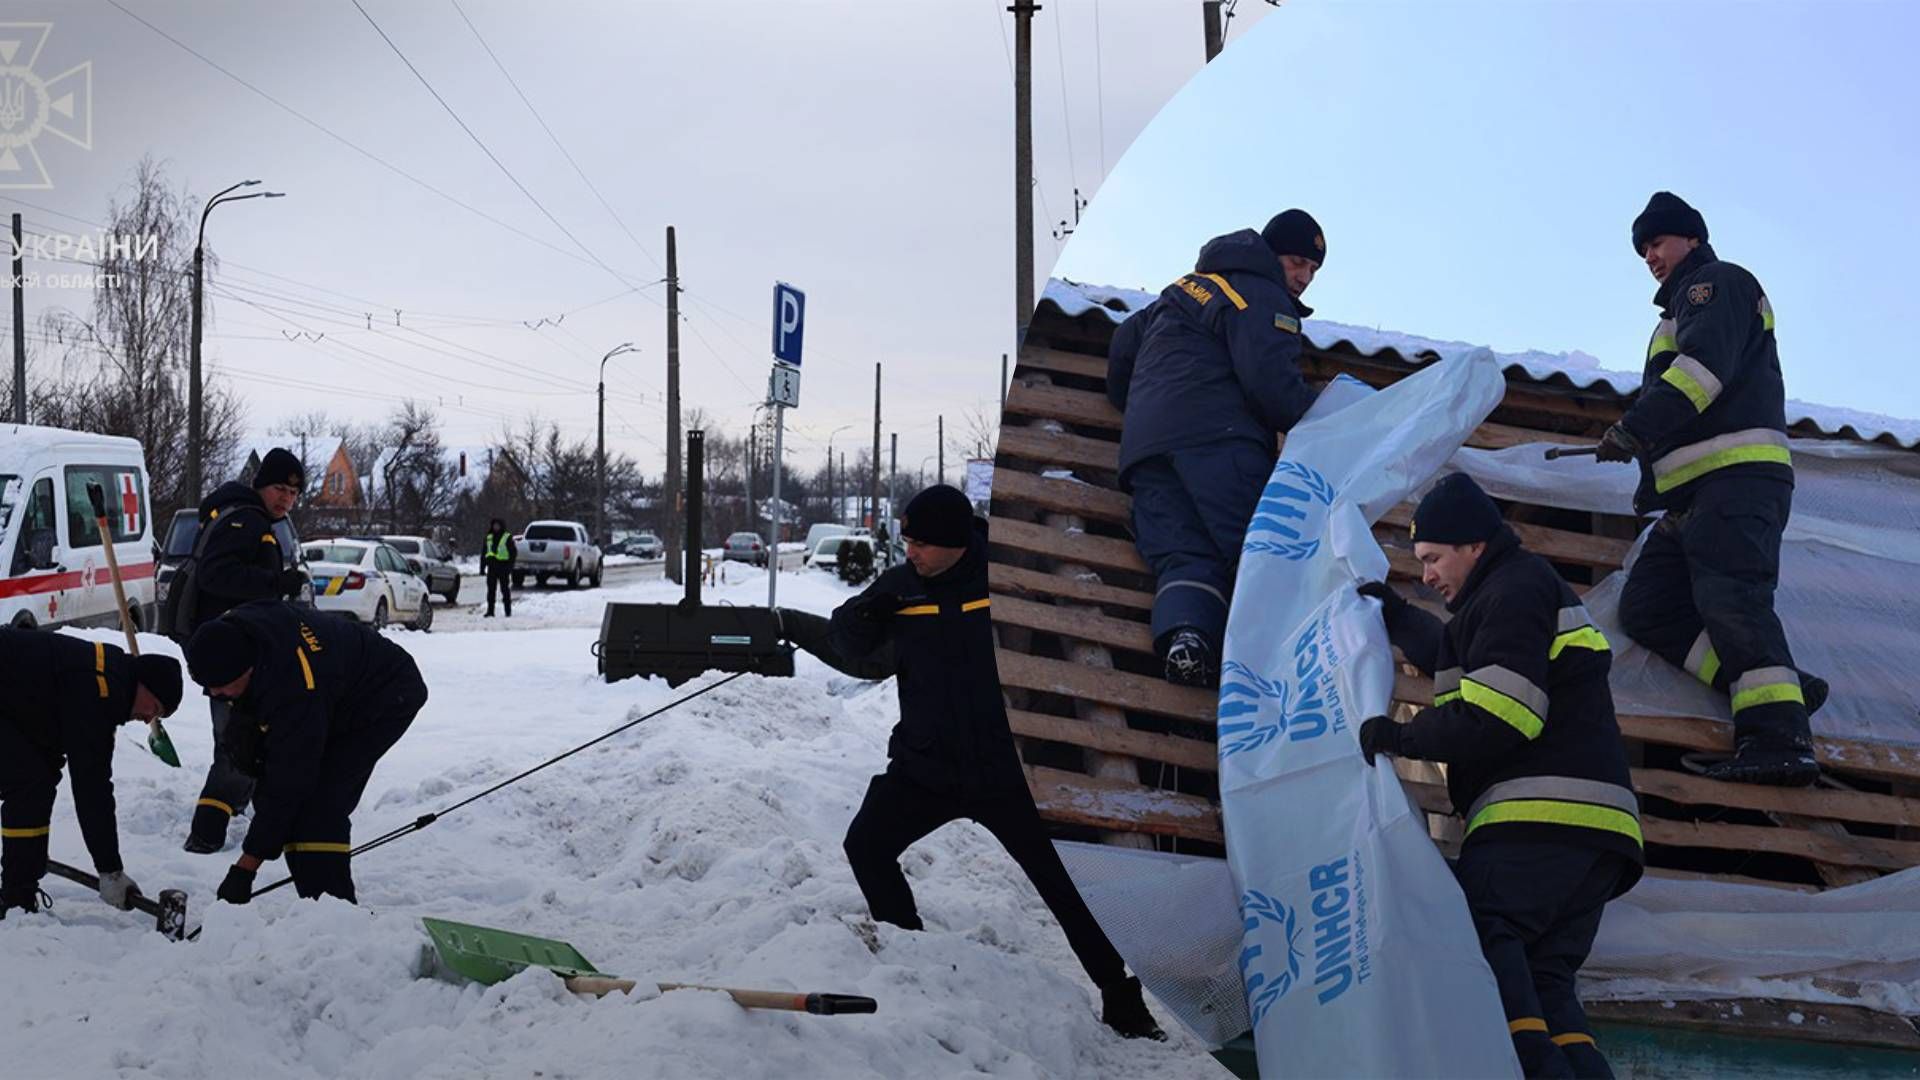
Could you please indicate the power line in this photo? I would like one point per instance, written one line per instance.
(1100, 89)
(556, 139)
(1066, 112)
(355, 147)
(477, 141)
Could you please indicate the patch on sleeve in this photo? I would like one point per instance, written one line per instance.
(1286, 322)
(1701, 294)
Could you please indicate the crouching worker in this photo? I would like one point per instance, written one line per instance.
(1523, 718)
(316, 701)
(952, 754)
(65, 698)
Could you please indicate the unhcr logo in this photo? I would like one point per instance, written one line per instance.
(1303, 703)
(1291, 514)
(1339, 941)
(32, 105)
(1267, 980)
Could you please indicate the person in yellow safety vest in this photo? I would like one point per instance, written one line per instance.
(496, 559)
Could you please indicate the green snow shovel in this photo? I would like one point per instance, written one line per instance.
(157, 740)
(488, 956)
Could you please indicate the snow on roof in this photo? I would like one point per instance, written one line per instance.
(31, 437)
(319, 448)
(1576, 370)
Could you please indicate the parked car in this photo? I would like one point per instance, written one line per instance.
(367, 580)
(184, 529)
(646, 546)
(745, 547)
(53, 570)
(817, 533)
(826, 554)
(431, 560)
(550, 549)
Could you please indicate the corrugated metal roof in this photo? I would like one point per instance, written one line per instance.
(1572, 371)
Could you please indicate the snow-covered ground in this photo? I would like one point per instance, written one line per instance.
(702, 846)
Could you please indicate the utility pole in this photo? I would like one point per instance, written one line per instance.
(753, 519)
(1023, 12)
(19, 326)
(943, 449)
(1003, 384)
(1216, 37)
(196, 423)
(600, 449)
(873, 484)
(893, 490)
(673, 409)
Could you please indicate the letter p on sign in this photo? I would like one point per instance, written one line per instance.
(789, 319)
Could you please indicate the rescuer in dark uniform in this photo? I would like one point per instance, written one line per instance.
(498, 554)
(65, 697)
(317, 699)
(1206, 376)
(1523, 718)
(952, 754)
(1710, 432)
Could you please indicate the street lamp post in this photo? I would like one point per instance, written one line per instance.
(195, 421)
(600, 451)
(833, 502)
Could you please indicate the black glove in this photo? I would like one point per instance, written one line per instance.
(1618, 444)
(876, 606)
(1379, 735)
(291, 582)
(1391, 602)
(238, 886)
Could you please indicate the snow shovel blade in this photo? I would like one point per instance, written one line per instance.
(161, 744)
(488, 956)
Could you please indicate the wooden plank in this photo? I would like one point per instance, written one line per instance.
(1172, 749)
(1807, 802)
(1082, 407)
(1014, 581)
(1137, 693)
(1045, 447)
(1557, 544)
(1062, 496)
(1064, 362)
(1115, 804)
(1851, 851)
(1098, 551)
(1846, 1025)
(1492, 436)
(1879, 761)
(1079, 625)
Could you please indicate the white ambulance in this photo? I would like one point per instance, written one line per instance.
(53, 569)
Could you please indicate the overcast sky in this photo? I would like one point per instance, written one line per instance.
(1476, 167)
(862, 151)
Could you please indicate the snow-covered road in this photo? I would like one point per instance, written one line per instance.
(703, 846)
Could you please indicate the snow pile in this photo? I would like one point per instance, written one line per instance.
(703, 846)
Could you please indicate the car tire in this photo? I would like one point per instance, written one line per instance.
(380, 614)
(452, 594)
(540, 580)
(424, 621)
(598, 570)
(519, 580)
(573, 576)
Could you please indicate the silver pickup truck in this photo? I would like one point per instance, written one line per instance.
(556, 549)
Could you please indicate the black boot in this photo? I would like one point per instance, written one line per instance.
(30, 900)
(1123, 1009)
(1753, 763)
(1814, 689)
(1190, 660)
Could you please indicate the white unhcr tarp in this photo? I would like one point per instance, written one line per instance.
(1357, 953)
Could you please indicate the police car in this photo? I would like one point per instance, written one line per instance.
(368, 580)
(51, 554)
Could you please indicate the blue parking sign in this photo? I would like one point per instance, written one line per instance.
(789, 316)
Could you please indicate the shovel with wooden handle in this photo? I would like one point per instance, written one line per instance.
(157, 740)
(487, 956)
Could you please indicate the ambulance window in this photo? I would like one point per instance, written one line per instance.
(39, 516)
(126, 499)
(9, 497)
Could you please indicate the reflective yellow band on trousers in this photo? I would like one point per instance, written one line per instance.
(320, 848)
(1526, 1023)
(1702, 661)
(1555, 812)
(25, 834)
(1573, 1037)
(1766, 686)
(217, 805)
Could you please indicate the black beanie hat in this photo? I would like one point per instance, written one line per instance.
(279, 467)
(1667, 214)
(161, 676)
(1294, 232)
(220, 652)
(940, 516)
(1456, 511)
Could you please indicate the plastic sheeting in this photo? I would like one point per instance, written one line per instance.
(1357, 952)
(1846, 592)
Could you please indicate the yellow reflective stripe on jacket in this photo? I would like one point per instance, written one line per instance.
(216, 804)
(1691, 377)
(321, 848)
(1689, 463)
(1518, 716)
(1239, 303)
(920, 609)
(1665, 338)
(1446, 686)
(1586, 637)
(306, 671)
(1526, 1023)
(1572, 1037)
(25, 834)
(497, 549)
(1555, 812)
(1766, 313)
(976, 605)
(100, 665)
(268, 539)
(1766, 686)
